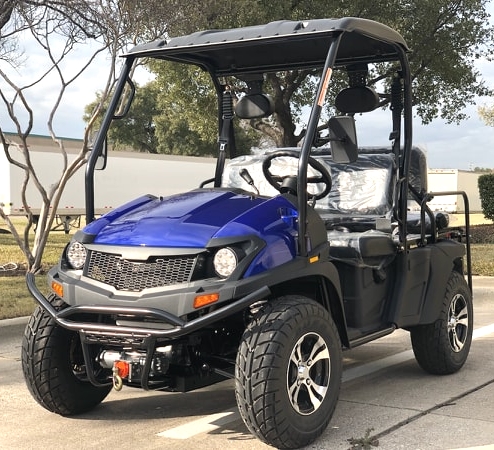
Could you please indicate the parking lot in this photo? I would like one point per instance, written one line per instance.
(386, 400)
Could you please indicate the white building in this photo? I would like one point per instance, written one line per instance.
(440, 180)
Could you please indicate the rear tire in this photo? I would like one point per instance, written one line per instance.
(53, 366)
(288, 372)
(442, 347)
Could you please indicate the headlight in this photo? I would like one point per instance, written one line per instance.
(225, 261)
(76, 255)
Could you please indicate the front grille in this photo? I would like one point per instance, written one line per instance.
(126, 275)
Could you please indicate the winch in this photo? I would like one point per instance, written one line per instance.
(128, 366)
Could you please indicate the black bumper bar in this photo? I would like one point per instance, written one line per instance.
(178, 327)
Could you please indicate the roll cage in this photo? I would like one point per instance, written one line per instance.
(283, 45)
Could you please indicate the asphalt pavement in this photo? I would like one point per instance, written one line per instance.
(386, 402)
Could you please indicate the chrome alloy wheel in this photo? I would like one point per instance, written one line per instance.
(458, 322)
(308, 374)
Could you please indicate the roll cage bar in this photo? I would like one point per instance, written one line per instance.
(281, 45)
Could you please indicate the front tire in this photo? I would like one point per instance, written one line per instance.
(442, 347)
(53, 366)
(288, 372)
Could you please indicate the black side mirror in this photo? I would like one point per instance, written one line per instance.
(343, 138)
(103, 154)
(101, 161)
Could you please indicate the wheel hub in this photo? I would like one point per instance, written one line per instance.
(303, 372)
(457, 323)
(308, 373)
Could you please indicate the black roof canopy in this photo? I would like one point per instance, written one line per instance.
(280, 45)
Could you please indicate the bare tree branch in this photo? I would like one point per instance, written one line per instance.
(70, 23)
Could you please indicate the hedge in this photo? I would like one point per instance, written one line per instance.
(486, 191)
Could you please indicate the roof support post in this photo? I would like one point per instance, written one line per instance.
(315, 114)
(101, 137)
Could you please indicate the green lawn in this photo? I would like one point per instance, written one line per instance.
(15, 300)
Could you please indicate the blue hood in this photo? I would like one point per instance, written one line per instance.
(187, 220)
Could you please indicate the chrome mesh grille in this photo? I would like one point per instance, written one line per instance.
(126, 275)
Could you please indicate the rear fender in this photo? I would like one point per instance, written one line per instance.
(446, 256)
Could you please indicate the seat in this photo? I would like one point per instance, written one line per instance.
(360, 201)
(370, 248)
(364, 187)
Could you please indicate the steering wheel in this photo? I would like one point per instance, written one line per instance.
(277, 181)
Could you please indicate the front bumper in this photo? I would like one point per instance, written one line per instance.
(167, 325)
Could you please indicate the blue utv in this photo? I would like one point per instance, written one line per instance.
(280, 261)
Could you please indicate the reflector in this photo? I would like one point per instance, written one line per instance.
(205, 299)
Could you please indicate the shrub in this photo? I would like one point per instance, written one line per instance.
(486, 191)
(482, 234)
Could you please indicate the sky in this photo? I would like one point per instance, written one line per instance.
(461, 146)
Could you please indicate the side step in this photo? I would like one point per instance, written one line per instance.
(371, 336)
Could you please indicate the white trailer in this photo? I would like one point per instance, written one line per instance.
(130, 174)
(454, 180)
(127, 176)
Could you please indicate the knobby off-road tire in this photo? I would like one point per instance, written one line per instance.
(53, 366)
(442, 347)
(288, 372)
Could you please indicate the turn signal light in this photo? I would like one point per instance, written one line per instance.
(57, 288)
(205, 299)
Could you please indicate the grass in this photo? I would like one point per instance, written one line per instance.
(15, 300)
(483, 259)
(11, 253)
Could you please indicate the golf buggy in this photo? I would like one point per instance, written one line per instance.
(280, 261)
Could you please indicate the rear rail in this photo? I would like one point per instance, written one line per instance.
(424, 209)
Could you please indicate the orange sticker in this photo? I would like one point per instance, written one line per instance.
(325, 83)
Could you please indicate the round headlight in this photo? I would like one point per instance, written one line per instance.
(76, 255)
(225, 261)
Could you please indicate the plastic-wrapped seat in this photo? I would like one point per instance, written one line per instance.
(360, 199)
(362, 188)
(358, 209)
(370, 248)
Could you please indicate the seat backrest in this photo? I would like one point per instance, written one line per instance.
(418, 169)
(283, 166)
(253, 163)
(364, 187)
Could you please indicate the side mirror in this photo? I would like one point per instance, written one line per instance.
(343, 138)
(101, 161)
(103, 154)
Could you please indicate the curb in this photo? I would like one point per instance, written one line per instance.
(13, 322)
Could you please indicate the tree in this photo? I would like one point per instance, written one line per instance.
(486, 190)
(445, 36)
(166, 117)
(486, 113)
(482, 169)
(137, 129)
(57, 27)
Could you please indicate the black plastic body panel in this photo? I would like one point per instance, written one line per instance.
(365, 295)
(420, 295)
(446, 256)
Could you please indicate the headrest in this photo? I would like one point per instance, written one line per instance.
(253, 106)
(417, 175)
(357, 99)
